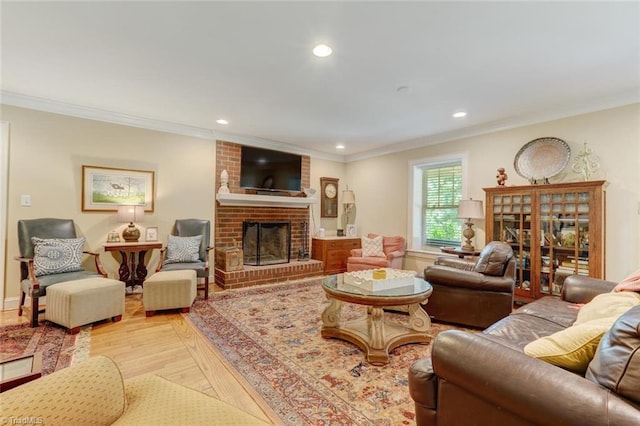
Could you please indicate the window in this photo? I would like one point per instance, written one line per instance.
(436, 192)
(441, 193)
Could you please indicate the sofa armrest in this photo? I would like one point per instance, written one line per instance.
(163, 255)
(581, 289)
(356, 252)
(63, 397)
(394, 254)
(98, 263)
(445, 276)
(455, 262)
(530, 389)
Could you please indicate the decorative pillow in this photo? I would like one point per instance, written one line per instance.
(571, 348)
(616, 364)
(607, 305)
(57, 255)
(183, 249)
(372, 247)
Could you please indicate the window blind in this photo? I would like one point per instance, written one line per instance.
(442, 191)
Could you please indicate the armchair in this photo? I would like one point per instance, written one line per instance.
(200, 260)
(393, 249)
(34, 281)
(476, 294)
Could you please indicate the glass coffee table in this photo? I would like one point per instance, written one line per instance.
(372, 333)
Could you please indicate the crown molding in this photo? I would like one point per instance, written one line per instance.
(65, 108)
(619, 100)
(278, 146)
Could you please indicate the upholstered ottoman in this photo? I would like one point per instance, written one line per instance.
(76, 303)
(169, 290)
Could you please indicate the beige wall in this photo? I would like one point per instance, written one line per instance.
(614, 135)
(46, 154)
(48, 150)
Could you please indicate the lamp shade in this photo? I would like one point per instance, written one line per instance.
(348, 197)
(130, 213)
(470, 209)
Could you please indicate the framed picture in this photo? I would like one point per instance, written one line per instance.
(151, 234)
(352, 230)
(105, 188)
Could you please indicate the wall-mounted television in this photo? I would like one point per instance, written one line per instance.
(268, 170)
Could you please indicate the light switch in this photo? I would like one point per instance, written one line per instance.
(25, 200)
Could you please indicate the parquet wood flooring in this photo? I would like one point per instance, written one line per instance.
(167, 345)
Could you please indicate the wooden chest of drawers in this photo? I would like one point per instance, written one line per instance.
(334, 252)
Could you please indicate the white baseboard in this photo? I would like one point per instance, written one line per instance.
(11, 303)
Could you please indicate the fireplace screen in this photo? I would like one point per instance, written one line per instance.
(266, 243)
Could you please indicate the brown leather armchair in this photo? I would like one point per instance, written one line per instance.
(475, 294)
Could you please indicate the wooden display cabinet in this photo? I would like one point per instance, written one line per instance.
(334, 252)
(555, 230)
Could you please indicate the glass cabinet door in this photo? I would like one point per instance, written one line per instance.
(564, 238)
(512, 224)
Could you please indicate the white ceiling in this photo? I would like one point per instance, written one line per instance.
(505, 63)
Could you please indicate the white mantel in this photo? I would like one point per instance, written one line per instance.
(250, 200)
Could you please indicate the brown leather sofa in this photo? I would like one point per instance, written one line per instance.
(474, 293)
(486, 379)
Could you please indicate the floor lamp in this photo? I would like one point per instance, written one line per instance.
(348, 200)
(469, 209)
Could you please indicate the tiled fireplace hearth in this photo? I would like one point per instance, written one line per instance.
(239, 207)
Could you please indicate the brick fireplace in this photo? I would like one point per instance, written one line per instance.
(230, 216)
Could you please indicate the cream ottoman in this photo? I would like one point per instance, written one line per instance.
(76, 303)
(169, 290)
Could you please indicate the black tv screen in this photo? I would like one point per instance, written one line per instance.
(270, 170)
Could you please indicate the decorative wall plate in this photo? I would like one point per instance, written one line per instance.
(542, 158)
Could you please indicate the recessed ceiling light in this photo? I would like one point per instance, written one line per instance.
(340, 146)
(460, 114)
(322, 50)
(222, 121)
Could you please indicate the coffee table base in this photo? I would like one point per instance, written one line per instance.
(373, 334)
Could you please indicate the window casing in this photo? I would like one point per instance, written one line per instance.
(438, 185)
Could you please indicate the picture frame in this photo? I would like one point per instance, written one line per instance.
(105, 188)
(151, 233)
(352, 230)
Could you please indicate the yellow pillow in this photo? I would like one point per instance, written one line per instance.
(571, 348)
(607, 305)
(574, 347)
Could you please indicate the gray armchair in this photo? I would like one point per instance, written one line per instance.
(191, 228)
(34, 283)
(471, 293)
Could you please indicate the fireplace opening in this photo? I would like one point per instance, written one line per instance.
(266, 243)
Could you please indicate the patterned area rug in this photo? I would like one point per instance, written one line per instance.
(271, 335)
(59, 349)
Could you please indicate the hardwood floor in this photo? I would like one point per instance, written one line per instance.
(167, 345)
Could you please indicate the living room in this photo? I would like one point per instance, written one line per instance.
(46, 143)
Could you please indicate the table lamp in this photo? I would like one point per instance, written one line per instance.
(132, 213)
(469, 209)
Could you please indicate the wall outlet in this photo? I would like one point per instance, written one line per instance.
(25, 200)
